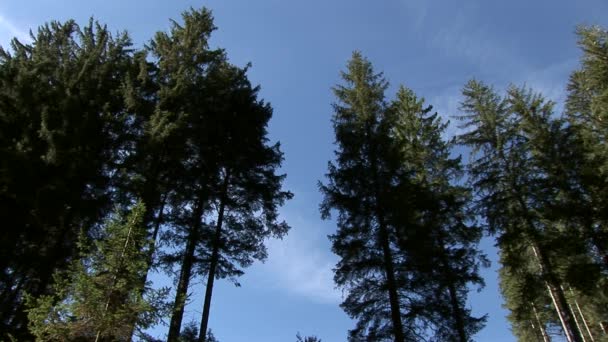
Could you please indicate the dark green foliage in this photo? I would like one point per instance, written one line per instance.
(87, 123)
(407, 252)
(226, 205)
(99, 296)
(525, 172)
(587, 112)
(61, 119)
(436, 235)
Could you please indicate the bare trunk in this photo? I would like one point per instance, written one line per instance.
(185, 273)
(551, 281)
(202, 337)
(578, 324)
(557, 297)
(541, 325)
(580, 312)
(389, 269)
(391, 285)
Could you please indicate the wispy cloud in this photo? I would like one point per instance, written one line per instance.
(550, 81)
(301, 264)
(10, 30)
(460, 38)
(446, 103)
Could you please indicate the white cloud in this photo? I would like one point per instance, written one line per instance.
(458, 38)
(302, 263)
(9, 30)
(550, 81)
(446, 103)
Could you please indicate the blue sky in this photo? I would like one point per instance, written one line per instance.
(297, 49)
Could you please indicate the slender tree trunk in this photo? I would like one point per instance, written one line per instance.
(393, 296)
(557, 297)
(215, 255)
(552, 282)
(389, 268)
(185, 272)
(580, 312)
(541, 326)
(456, 309)
(578, 324)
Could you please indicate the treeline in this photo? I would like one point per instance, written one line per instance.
(118, 161)
(409, 226)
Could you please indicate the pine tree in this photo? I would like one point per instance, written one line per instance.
(99, 296)
(357, 189)
(436, 236)
(176, 126)
(61, 120)
(511, 172)
(249, 191)
(587, 112)
(407, 251)
(227, 204)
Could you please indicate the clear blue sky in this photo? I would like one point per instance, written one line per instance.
(297, 49)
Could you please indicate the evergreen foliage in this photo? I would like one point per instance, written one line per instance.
(399, 216)
(99, 296)
(61, 119)
(118, 161)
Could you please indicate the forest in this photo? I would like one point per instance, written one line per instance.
(118, 161)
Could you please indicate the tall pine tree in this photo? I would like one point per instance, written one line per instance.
(61, 120)
(407, 251)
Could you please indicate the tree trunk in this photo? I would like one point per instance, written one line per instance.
(391, 285)
(185, 273)
(580, 312)
(552, 282)
(389, 268)
(541, 326)
(557, 297)
(456, 310)
(215, 255)
(578, 324)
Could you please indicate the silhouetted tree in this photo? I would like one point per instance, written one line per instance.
(407, 251)
(435, 234)
(509, 170)
(61, 119)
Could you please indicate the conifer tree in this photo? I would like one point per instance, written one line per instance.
(249, 191)
(436, 235)
(99, 296)
(587, 112)
(357, 189)
(515, 193)
(407, 251)
(227, 204)
(61, 120)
